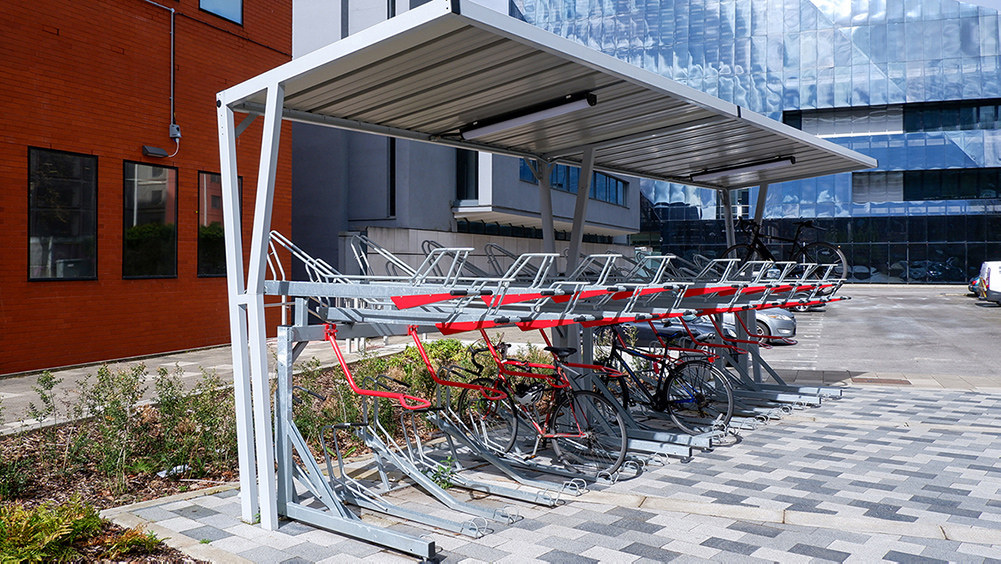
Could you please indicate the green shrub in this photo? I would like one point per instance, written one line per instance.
(122, 434)
(45, 533)
(196, 429)
(15, 475)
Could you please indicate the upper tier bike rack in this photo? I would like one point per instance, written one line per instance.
(447, 294)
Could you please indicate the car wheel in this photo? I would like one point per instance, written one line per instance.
(762, 329)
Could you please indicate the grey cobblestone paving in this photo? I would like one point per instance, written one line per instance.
(900, 475)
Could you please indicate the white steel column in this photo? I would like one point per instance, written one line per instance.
(543, 172)
(264, 439)
(580, 210)
(237, 310)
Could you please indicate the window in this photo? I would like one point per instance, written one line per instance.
(150, 221)
(881, 120)
(467, 172)
(923, 185)
(211, 237)
(231, 10)
(603, 187)
(62, 215)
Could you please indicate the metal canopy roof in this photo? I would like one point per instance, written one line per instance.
(436, 69)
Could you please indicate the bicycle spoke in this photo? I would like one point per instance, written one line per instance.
(590, 433)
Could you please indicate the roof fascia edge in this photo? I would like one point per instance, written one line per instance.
(802, 137)
(429, 13)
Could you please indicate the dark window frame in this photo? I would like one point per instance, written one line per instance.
(177, 189)
(31, 225)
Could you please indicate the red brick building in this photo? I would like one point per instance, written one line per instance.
(106, 249)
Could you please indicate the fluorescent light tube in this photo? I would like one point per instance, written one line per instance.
(753, 167)
(565, 105)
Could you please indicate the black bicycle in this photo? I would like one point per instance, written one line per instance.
(694, 393)
(818, 252)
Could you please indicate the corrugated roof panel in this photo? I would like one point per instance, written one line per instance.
(449, 63)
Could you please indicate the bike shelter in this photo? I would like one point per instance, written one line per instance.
(454, 73)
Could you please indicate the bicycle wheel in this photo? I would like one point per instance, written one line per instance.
(494, 422)
(742, 251)
(698, 397)
(824, 253)
(616, 385)
(590, 433)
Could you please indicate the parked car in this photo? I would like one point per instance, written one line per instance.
(777, 323)
(989, 285)
(973, 285)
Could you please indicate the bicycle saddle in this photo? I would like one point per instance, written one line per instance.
(561, 352)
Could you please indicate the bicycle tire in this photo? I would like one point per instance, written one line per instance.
(697, 397)
(742, 251)
(493, 422)
(602, 449)
(616, 385)
(820, 252)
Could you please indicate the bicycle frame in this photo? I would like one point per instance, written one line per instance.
(618, 347)
(557, 383)
(758, 239)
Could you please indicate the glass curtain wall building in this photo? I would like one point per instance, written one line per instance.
(915, 84)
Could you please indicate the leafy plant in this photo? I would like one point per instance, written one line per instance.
(44, 388)
(132, 541)
(194, 429)
(113, 401)
(45, 533)
(443, 473)
(15, 475)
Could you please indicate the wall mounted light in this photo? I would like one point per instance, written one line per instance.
(151, 151)
(777, 162)
(538, 112)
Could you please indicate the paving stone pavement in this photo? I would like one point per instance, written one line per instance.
(884, 474)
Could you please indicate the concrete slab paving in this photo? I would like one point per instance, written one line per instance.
(895, 488)
(903, 468)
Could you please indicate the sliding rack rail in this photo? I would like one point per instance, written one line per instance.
(448, 294)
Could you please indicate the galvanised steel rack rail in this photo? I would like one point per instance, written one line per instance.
(446, 293)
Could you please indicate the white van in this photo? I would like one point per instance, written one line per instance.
(989, 287)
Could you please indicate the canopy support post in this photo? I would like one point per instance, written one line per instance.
(543, 172)
(759, 207)
(750, 317)
(731, 238)
(235, 287)
(261, 389)
(580, 210)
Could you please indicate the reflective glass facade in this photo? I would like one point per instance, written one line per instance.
(911, 83)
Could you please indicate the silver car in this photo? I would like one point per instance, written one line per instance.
(779, 324)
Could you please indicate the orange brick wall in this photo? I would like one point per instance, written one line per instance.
(94, 78)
